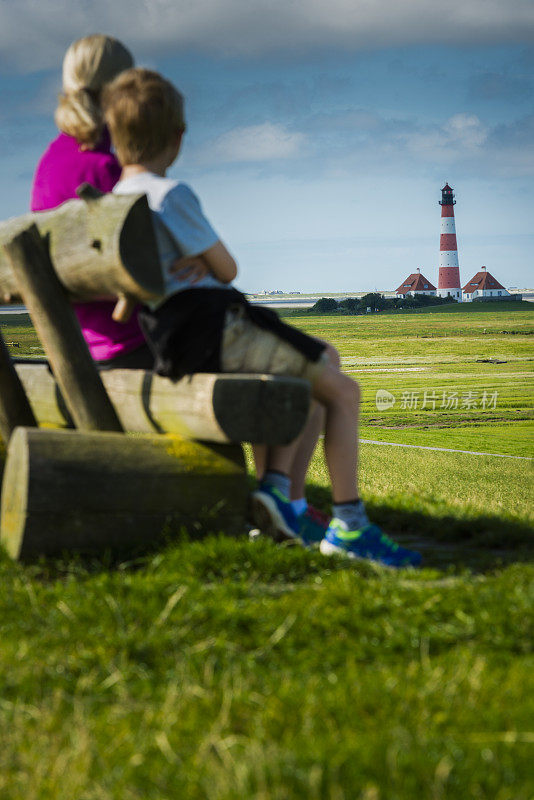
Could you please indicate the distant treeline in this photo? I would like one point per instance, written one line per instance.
(375, 302)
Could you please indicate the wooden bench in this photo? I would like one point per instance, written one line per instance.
(111, 460)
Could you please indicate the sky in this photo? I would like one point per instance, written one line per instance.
(319, 135)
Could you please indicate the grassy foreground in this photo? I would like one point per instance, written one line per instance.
(230, 669)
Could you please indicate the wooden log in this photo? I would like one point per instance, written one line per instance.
(44, 395)
(3, 449)
(66, 491)
(59, 331)
(101, 247)
(14, 406)
(212, 407)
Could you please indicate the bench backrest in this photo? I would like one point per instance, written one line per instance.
(101, 247)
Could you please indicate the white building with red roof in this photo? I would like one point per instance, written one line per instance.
(483, 284)
(415, 284)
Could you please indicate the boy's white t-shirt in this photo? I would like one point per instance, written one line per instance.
(180, 227)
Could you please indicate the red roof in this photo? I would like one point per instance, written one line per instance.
(482, 280)
(415, 282)
(447, 187)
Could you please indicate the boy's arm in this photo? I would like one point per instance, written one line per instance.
(124, 308)
(216, 260)
(220, 263)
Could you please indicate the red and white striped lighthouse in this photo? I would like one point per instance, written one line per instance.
(449, 270)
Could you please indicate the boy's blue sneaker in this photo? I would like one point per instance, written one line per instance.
(313, 525)
(369, 542)
(273, 514)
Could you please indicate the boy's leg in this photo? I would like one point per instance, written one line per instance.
(313, 523)
(305, 450)
(305, 447)
(340, 396)
(350, 532)
(259, 451)
(307, 441)
(310, 436)
(310, 522)
(271, 507)
(284, 470)
(250, 349)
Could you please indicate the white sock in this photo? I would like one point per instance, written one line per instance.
(353, 514)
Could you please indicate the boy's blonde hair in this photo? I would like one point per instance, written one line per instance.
(144, 113)
(89, 63)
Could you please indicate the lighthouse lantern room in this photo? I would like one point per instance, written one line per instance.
(449, 270)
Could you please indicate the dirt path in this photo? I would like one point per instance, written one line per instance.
(445, 449)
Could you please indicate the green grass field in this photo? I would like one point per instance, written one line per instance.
(227, 669)
(449, 353)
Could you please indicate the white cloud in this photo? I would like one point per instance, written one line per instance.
(360, 143)
(462, 135)
(466, 130)
(255, 143)
(34, 33)
(365, 143)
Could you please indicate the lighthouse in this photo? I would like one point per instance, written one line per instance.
(449, 271)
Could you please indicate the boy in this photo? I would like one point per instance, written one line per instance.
(203, 324)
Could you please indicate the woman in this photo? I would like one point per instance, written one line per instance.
(81, 153)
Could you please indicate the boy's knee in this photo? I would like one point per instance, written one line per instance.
(347, 390)
(333, 388)
(333, 356)
(352, 390)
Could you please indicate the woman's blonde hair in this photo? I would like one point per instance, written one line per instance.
(88, 65)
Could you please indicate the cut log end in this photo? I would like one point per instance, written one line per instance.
(66, 492)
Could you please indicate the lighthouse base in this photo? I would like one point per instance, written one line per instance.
(455, 293)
